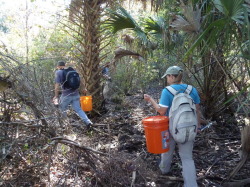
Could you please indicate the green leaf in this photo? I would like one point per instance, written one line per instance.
(120, 20)
(212, 30)
(155, 26)
(26, 146)
(232, 9)
(236, 95)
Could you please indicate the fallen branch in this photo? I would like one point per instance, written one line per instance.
(217, 161)
(19, 123)
(239, 166)
(181, 179)
(28, 122)
(8, 102)
(237, 183)
(70, 142)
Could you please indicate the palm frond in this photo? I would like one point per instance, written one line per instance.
(120, 20)
(141, 35)
(181, 24)
(128, 39)
(232, 9)
(191, 22)
(245, 49)
(156, 27)
(159, 29)
(213, 30)
(74, 7)
(120, 52)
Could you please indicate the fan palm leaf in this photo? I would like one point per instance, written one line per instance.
(213, 30)
(232, 9)
(192, 21)
(120, 20)
(245, 47)
(159, 29)
(156, 27)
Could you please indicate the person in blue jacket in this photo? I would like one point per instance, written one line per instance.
(174, 76)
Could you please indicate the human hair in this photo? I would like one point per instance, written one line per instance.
(178, 78)
(61, 63)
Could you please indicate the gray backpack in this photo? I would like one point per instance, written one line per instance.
(182, 116)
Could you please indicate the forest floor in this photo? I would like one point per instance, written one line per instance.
(216, 150)
(114, 153)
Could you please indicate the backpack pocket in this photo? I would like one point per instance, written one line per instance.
(185, 134)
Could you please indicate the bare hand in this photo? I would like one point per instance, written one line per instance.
(55, 100)
(147, 97)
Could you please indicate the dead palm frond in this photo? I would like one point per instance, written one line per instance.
(120, 52)
(128, 39)
(190, 23)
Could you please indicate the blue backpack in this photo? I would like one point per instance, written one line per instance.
(71, 79)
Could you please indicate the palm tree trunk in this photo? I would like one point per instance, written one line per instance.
(91, 45)
(86, 15)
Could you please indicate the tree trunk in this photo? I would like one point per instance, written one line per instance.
(90, 65)
(85, 15)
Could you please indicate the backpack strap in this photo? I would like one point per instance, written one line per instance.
(189, 89)
(174, 92)
(171, 90)
(64, 76)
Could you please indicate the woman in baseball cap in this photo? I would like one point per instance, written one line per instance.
(174, 76)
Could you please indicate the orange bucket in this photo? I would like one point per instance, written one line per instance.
(157, 134)
(86, 103)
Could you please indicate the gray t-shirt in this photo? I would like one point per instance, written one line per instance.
(59, 79)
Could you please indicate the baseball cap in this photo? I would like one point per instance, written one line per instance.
(172, 70)
(61, 63)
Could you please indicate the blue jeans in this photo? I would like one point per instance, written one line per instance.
(188, 167)
(74, 101)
